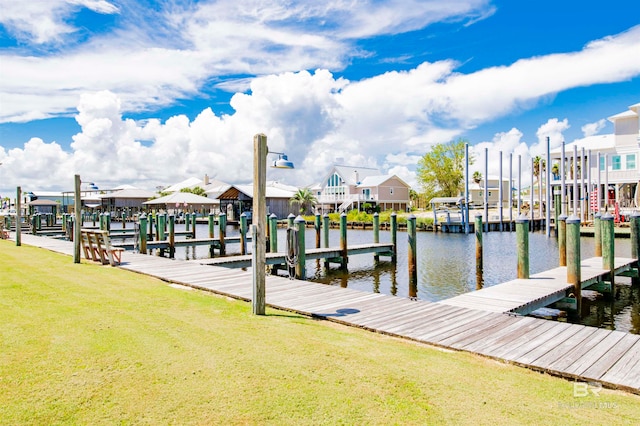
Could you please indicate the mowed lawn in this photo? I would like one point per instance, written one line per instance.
(90, 344)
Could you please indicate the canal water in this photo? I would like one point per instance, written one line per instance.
(446, 268)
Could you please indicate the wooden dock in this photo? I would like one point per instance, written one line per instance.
(310, 254)
(574, 351)
(523, 296)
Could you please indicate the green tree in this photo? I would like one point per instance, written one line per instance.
(477, 176)
(441, 170)
(536, 167)
(303, 198)
(195, 190)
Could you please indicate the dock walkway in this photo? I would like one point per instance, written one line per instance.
(523, 296)
(574, 351)
(310, 254)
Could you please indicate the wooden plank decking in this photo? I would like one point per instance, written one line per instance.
(568, 350)
(244, 261)
(523, 296)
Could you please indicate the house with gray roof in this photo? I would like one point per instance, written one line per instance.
(348, 187)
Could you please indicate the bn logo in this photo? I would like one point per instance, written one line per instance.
(582, 389)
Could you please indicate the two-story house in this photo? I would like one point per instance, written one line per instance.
(349, 187)
(616, 170)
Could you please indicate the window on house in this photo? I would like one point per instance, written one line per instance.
(616, 163)
(601, 163)
(334, 180)
(631, 162)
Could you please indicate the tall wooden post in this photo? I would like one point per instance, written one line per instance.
(479, 249)
(562, 240)
(107, 221)
(290, 220)
(77, 229)
(608, 244)
(273, 233)
(258, 233)
(573, 258)
(301, 265)
(222, 230)
(343, 241)
(172, 236)
(316, 225)
(522, 241)
(187, 222)
(394, 235)
(325, 230)
(597, 234)
(123, 216)
(143, 233)
(412, 257)
(194, 221)
(243, 233)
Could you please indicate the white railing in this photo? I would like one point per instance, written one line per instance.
(341, 198)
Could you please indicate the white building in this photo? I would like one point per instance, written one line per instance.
(617, 168)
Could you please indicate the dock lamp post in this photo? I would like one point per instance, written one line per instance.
(258, 228)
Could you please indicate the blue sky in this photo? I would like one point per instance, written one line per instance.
(152, 92)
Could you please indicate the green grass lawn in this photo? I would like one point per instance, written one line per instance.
(90, 344)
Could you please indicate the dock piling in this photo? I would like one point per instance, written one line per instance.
(143, 233)
(574, 258)
(243, 233)
(273, 233)
(522, 241)
(597, 234)
(343, 241)
(222, 225)
(172, 236)
(301, 264)
(562, 239)
(290, 220)
(479, 249)
(325, 230)
(608, 244)
(211, 223)
(394, 235)
(412, 257)
(162, 219)
(376, 234)
(635, 243)
(316, 225)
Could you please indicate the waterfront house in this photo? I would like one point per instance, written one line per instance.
(617, 168)
(492, 186)
(352, 187)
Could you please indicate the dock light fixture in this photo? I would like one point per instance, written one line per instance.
(282, 162)
(258, 228)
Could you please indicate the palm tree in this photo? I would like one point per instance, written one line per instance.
(555, 170)
(536, 167)
(477, 176)
(303, 198)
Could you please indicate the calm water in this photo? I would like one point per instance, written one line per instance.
(446, 268)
